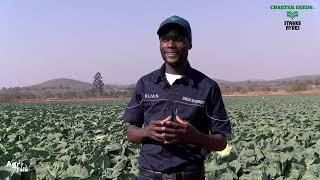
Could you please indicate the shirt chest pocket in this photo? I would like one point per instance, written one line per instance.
(193, 113)
(156, 110)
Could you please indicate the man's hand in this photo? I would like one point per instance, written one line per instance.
(169, 132)
(155, 129)
(183, 132)
(179, 132)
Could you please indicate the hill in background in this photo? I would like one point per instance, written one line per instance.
(65, 88)
(291, 84)
(62, 83)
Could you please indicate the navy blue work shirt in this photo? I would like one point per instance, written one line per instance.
(194, 98)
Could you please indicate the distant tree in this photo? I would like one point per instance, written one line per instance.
(48, 94)
(87, 93)
(3, 89)
(98, 83)
(16, 89)
(70, 94)
(251, 87)
(308, 82)
(59, 95)
(265, 88)
(238, 89)
(297, 86)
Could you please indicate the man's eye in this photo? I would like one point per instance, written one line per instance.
(164, 39)
(179, 39)
(175, 39)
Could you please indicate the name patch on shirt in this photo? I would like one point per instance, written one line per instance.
(151, 96)
(196, 101)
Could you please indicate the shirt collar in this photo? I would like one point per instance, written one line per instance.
(186, 76)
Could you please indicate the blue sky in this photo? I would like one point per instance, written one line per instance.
(232, 40)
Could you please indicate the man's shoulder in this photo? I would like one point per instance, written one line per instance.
(150, 77)
(203, 79)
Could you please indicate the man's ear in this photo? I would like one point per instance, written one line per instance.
(190, 45)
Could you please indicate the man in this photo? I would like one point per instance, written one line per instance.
(176, 112)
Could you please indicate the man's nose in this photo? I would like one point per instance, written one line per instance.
(171, 43)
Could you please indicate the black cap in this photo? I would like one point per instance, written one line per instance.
(175, 21)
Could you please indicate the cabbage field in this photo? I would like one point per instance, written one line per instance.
(273, 138)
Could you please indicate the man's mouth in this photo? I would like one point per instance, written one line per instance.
(171, 54)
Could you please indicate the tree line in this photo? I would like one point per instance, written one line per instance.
(98, 91)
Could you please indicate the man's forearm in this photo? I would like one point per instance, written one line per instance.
(215, 142)
(136, 134)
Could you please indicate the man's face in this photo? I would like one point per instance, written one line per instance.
(174, 47)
